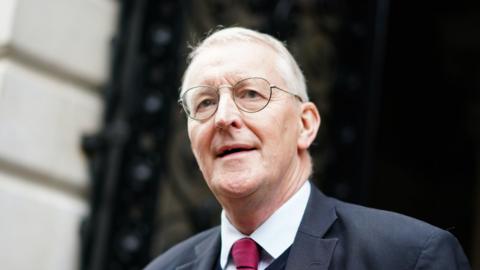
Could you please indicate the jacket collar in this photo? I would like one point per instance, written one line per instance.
(206, 253)
(310, 249)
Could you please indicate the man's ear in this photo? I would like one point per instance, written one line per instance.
(309, 124)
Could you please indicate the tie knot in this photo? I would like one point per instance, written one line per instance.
(245, 254)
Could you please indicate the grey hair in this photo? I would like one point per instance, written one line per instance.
(286, 64)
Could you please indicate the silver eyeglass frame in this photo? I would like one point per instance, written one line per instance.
(271, 86)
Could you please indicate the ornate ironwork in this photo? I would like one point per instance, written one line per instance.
(127, 157)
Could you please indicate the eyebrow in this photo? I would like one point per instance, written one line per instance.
(232, 77)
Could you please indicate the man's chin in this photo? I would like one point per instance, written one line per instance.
(236, 187)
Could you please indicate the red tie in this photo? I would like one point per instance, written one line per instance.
(245, 254)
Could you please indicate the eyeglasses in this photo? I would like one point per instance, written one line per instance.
(249, 95)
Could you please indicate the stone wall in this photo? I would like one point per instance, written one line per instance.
(53, 62)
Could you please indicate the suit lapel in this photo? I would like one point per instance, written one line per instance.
(206, 254)
(310, 249)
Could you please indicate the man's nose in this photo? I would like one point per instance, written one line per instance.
(227, 112)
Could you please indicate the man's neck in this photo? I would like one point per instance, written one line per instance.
(247, 214)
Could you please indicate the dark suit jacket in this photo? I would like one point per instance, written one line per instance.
(336, 235)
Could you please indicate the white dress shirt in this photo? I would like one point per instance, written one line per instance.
(275, 235)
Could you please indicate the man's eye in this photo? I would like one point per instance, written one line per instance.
(250, 94)
(205, 104)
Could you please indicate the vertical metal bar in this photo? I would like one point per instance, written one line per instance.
(117, 135)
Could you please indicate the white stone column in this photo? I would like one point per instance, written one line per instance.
(54, 56)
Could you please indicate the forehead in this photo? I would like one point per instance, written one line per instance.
(227, 63)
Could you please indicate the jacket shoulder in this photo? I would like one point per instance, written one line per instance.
(182, 252)
(390, 239)
(381, 222)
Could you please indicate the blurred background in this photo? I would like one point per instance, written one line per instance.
(96, 170)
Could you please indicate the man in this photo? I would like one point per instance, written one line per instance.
(250, 126)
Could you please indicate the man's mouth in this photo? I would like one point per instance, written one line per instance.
(229, 150)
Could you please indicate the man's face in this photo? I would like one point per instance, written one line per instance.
(264, 143)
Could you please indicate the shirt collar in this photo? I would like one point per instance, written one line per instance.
(284, 221)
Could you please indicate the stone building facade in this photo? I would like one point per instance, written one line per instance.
(54, 58)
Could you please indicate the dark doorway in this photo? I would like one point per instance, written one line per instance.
(427, 142)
